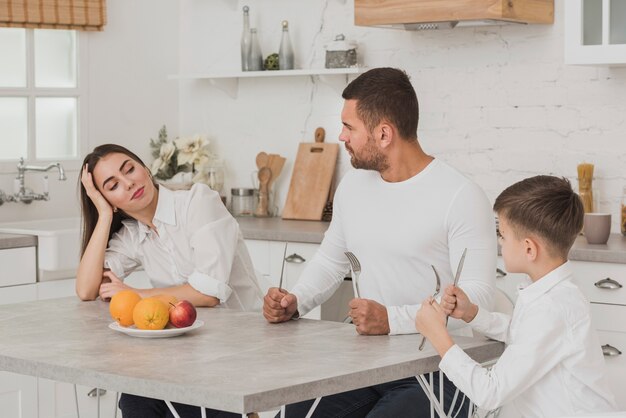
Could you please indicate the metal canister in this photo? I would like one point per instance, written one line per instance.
(242, 201)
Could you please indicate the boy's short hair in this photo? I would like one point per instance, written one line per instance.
(546, 206)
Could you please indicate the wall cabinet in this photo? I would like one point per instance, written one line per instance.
(603, 285)
(270, 257)
(595, 32)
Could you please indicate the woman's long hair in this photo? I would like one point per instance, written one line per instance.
(88, 209)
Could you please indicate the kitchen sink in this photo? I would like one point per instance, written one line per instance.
(58, 241)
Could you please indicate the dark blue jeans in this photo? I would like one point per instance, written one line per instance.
(139, 407)
(399, 399)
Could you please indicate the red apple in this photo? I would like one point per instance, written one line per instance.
(182, 314)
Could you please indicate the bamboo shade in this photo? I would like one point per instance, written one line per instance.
(53, 14)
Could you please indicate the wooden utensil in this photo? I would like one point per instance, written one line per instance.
(265, 175)
(261, 160)
(276, 163)
(311, 179)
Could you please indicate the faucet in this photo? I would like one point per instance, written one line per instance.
(24, 194)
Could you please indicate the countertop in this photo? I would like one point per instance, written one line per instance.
(276, 229)
(17, 241)
(237, 361)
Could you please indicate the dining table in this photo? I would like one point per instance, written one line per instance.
(236, 361)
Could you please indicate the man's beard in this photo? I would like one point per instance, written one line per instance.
(370, 159)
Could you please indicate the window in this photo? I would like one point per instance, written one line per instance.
(41, 95)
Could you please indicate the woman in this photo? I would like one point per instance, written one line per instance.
(186, 241)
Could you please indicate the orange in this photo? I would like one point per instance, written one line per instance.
(168, 299)
(122, 305)
(151, 313)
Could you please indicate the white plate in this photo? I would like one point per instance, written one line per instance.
(157, 333)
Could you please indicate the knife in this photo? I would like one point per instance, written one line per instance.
(458, 274)
(460, 267)
(282, 270)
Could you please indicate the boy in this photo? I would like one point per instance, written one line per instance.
(552, 364)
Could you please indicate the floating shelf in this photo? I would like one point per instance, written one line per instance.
(229, 80)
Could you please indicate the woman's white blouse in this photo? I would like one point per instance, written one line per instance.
(198, 242)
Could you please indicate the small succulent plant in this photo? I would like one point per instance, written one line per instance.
(271, 62)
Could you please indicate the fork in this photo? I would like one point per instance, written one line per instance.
(437, 288)
(355, 266)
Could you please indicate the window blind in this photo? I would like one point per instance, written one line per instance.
(53, 14)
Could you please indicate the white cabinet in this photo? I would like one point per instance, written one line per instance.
(58, 400)
(595, 32)
(19, 266)
(270, 257)
(603, 284)
(18, 393)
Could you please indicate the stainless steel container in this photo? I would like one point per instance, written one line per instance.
(242, 201)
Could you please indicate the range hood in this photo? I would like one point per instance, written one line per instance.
(447, 14)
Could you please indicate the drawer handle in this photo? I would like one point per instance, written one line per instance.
(610, 351)
(295, 258)
(95, 392)
(607, 284)
(500, 273)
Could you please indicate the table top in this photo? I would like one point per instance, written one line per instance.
(236, 362)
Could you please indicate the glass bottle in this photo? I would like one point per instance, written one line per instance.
(285, 52)
(623, 212)
(245, 40)
(256, 56)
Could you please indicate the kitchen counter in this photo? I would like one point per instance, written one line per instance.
(17, 241)
(237, 361)
(277, 229)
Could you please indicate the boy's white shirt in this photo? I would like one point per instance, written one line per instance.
(553, 363)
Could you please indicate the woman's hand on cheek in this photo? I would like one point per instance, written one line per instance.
(102, 205)
(111, 284)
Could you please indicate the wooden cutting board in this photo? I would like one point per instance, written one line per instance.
(311, 179)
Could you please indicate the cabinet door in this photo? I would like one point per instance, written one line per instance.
(56, 289)
(18, 395)
(58, 400)
(18, 266)
(510, 283)
(601, 282)
(17, 294)
(608, 320)
(594, 32)
(297, 256)
(260, 251)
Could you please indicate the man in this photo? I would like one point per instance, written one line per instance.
(399, 212)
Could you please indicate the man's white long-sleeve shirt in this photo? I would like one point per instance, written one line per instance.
(553, 363)
(198, 242)
(397, 231)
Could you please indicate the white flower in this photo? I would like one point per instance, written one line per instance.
(192, 150)
(165, 155)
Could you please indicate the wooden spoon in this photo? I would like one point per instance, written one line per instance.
(262, 159)
(265, 175)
